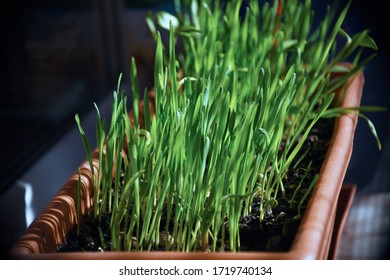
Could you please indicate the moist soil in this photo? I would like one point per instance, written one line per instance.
(277, 230)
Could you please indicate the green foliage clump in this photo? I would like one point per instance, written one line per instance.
(230, 115)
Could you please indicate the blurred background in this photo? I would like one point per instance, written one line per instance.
(58, 57)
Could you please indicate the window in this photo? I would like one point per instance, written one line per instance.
(58, 57)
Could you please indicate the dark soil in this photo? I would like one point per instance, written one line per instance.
(277, 230)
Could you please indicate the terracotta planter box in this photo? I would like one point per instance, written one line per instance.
(313, 239)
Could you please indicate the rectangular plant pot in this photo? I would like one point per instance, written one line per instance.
(313, 239)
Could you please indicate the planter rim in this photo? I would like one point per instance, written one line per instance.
(312, 241)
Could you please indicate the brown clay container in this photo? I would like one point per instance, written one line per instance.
(313, 239)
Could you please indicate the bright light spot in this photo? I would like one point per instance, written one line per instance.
(28, 199)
